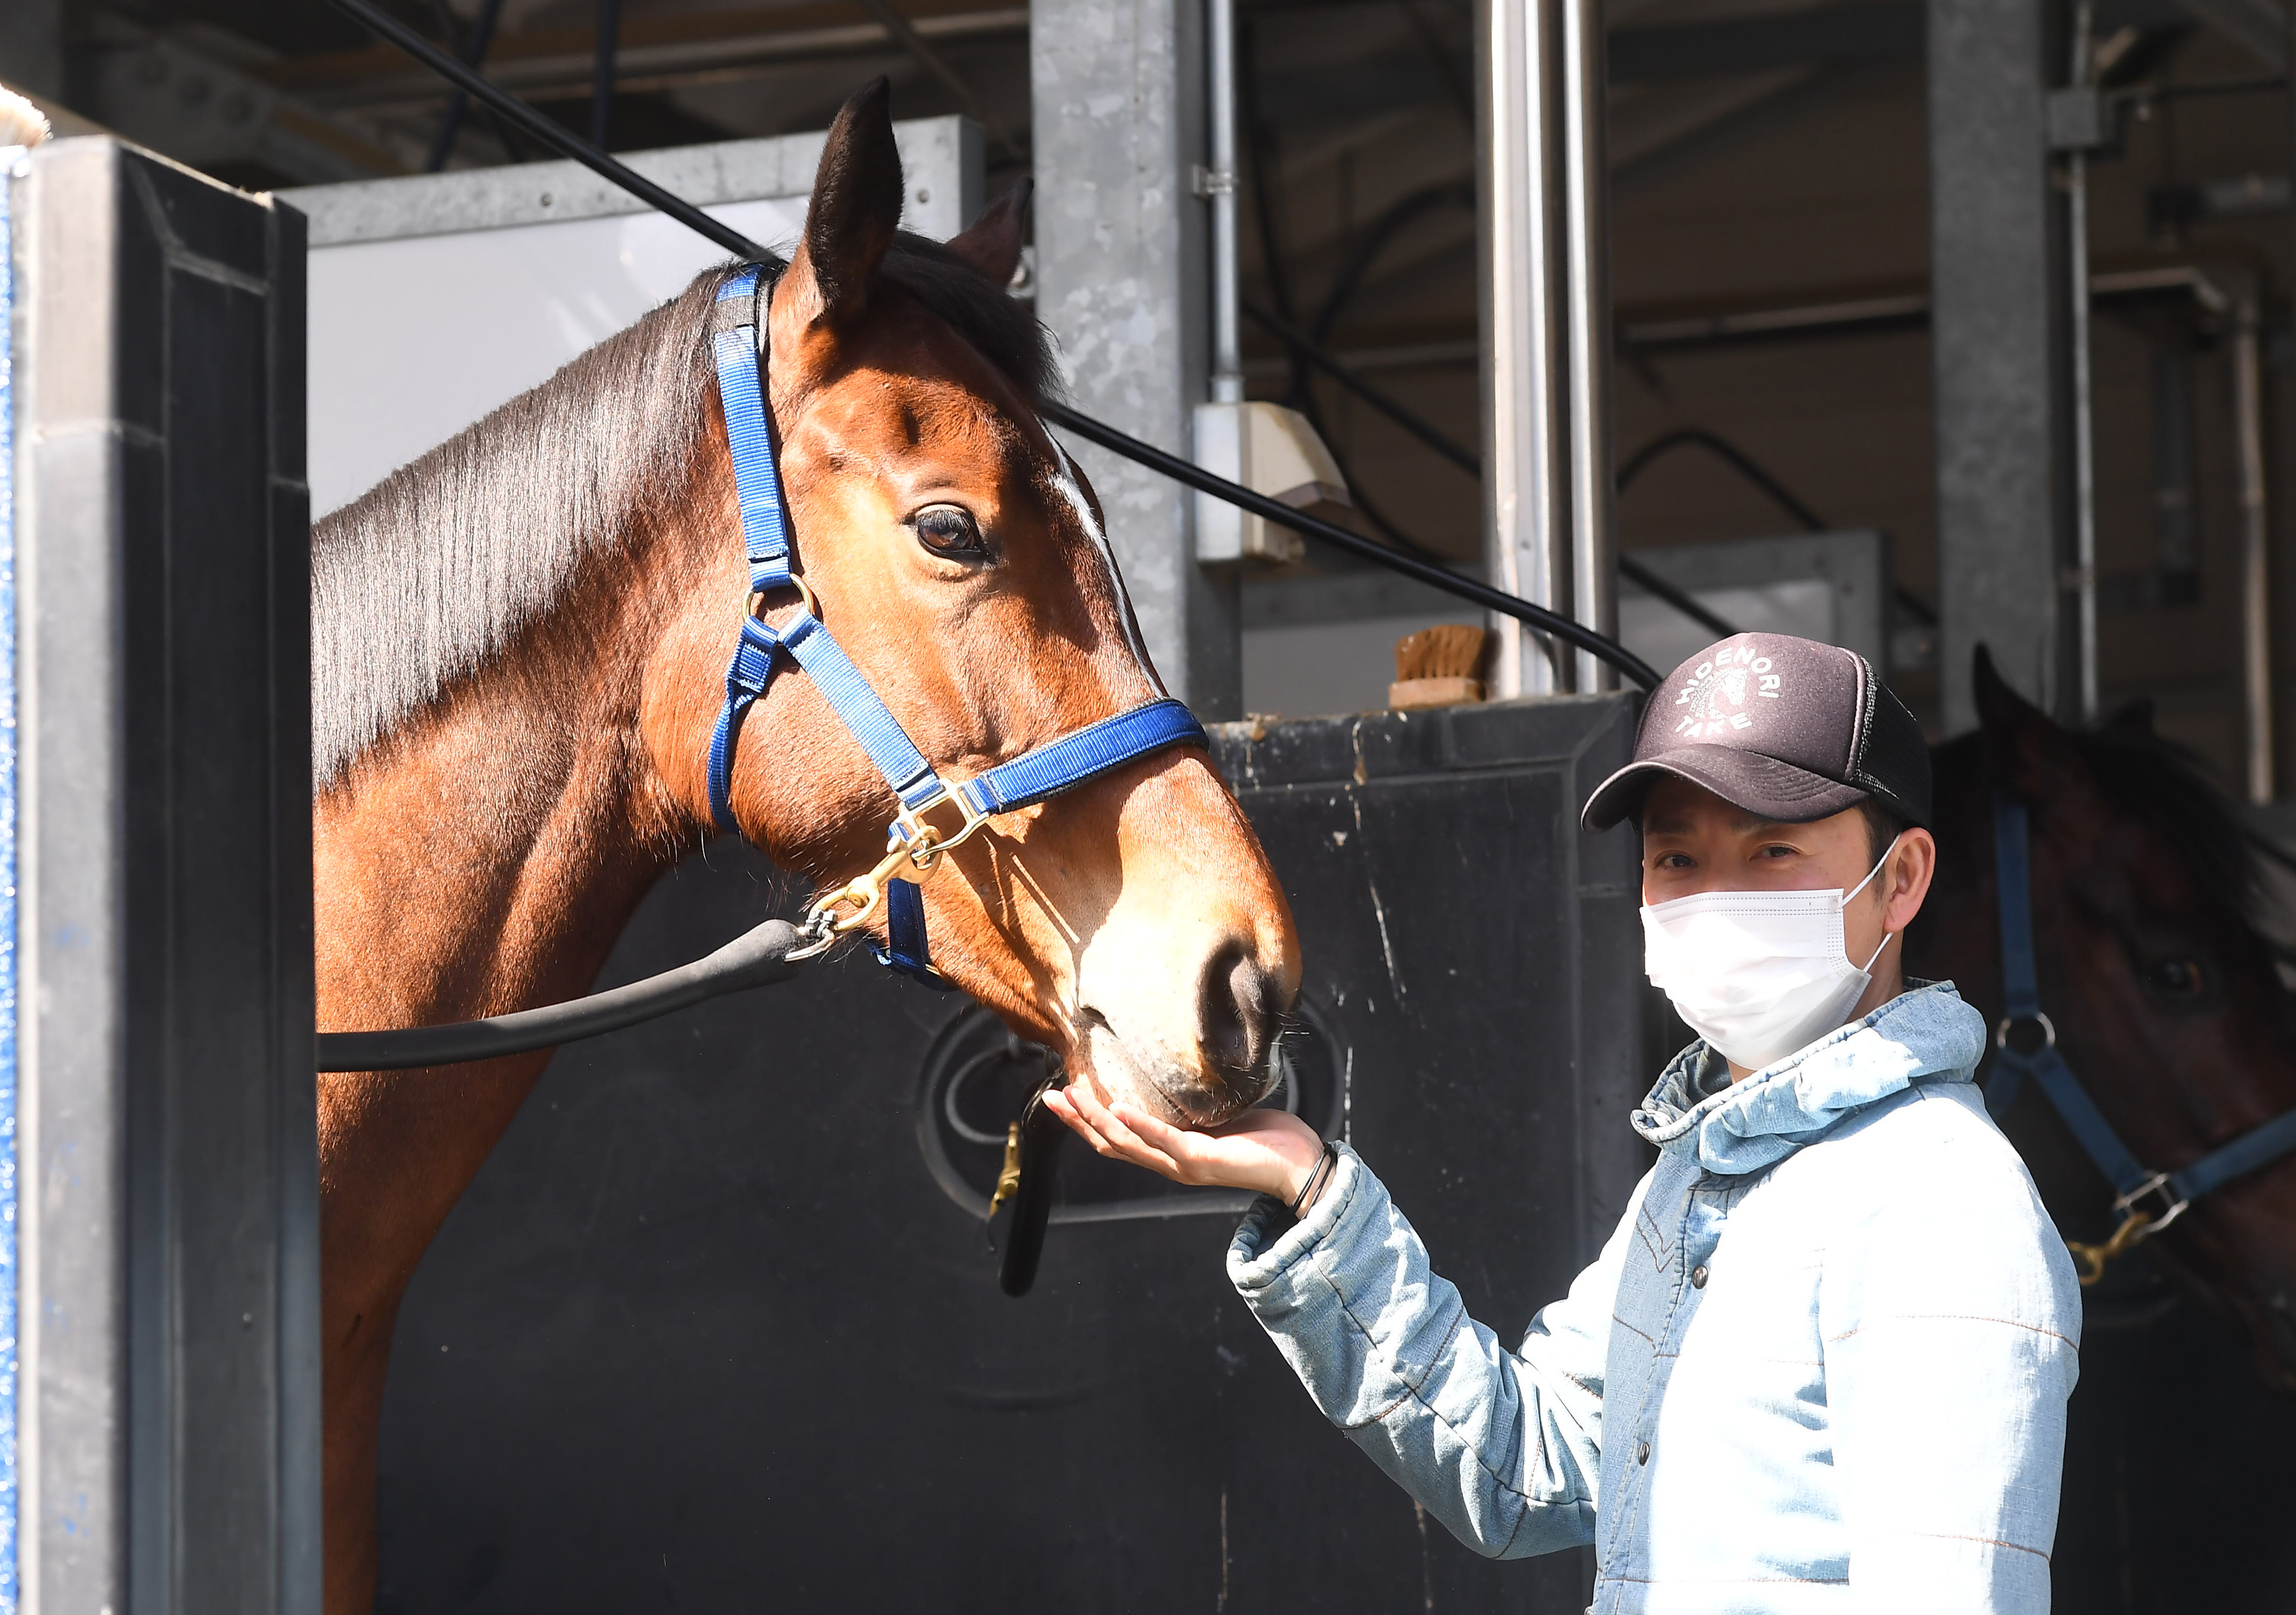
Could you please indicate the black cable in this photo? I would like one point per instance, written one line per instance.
(1731, 455)
(1373, 240)
(1914, 606)
(565, 140)
(556, 137)
(1467, 461)
(1324, 360)
(1259, 504)
(756, 958)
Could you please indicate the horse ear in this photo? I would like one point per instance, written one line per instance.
(992, 245)
(854, 211)
(2030, 754)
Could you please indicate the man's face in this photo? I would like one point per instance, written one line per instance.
(1694, 841)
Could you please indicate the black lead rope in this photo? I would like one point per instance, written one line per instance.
(756, 958)
(1038, 1135)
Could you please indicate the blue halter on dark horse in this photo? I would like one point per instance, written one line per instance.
(2145, 1201)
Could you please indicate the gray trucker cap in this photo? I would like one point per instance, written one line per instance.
(1787, 728)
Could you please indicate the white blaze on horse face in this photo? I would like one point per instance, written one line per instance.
(1066, 482)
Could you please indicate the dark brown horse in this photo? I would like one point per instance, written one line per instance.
(520, 646)
(2167, 997)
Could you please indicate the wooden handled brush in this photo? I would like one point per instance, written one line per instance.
(1438, 666)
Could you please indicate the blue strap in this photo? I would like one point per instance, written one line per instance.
(906, 949)
(2022, 1001)
(765, 538)
(880, 736)
(2258, 1146)
(2020, 988)
(746, 679)
(1035, 776)
(742, 396)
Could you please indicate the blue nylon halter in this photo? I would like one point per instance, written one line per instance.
(2130, 1179)
(736, 326)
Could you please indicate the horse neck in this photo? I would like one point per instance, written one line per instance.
(483, 856)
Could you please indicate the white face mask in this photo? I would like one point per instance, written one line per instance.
(1759, 974)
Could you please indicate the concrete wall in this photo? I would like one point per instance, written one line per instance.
(1121, 257)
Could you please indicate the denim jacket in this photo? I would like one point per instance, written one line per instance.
(1822, 1363)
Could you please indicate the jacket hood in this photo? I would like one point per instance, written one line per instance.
(1927, 1034)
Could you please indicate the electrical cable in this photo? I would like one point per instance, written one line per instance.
(1259, 504)
(1348, 277)
(1467, 461)
(1730, 455)
(1745, 464)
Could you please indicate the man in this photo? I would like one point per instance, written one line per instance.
(1822, 1362)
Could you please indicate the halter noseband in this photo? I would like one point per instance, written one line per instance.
(2146, 1201)
(738, 338)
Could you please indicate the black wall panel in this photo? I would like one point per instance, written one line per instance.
(711, 1331)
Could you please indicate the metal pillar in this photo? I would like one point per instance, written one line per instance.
(1526, 487)
(1587, 250)
(169, 1227)
(1118, 87)
(1544, 223)
(1999, 345)
(1220, 183)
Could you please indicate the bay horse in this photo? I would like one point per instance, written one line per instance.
(520, 646)
(2166, 993)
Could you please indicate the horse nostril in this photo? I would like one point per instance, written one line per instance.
(1234, 1011)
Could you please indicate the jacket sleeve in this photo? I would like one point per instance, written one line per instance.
(1949, 1324)
(1502, 1446)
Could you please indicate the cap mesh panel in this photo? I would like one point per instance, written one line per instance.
(1896, 761)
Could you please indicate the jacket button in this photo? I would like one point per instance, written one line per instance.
(1698, 1278)
(1642, 1453)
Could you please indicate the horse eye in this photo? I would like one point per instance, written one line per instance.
(950, 530)
(2182, 977)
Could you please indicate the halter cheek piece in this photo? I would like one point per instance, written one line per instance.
(914, 843)
(2146, 1201)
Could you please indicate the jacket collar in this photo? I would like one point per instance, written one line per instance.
(1926, 1034)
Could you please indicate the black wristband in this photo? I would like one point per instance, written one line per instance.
(1325, 1164)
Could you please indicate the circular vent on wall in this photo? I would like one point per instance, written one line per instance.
(976, 1076)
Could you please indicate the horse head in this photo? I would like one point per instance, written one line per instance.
(959, 557)
(2166, 1000)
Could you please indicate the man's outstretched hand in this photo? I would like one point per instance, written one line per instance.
(1267, 1152)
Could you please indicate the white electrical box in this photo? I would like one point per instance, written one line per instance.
(1270, 450)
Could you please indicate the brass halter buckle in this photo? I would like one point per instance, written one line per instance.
(924, 840)
(913, 840)
(2137, 1226)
